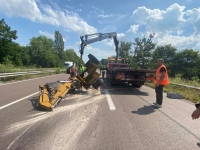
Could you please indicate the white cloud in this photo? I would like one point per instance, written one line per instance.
(133, 28)
(194, 18)
(180, 42)
(120, 35)
(109, 29)
(23, 8)
(169, 20)
(47, 34)
(99, 53)
(175, 25)
(69, 7)
(105, 16)
(110, 42)
(64, 39)
(45, 14)
(96, 10)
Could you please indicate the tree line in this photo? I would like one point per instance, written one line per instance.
(142, 53)
(40, 52)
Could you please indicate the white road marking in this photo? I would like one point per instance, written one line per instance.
(26, 80)
(9, 104)
(19, 136)
(38, 114)
(110, 102)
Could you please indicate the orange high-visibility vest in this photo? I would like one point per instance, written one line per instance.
(165, 80)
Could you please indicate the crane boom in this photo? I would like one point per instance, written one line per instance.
(92, 38)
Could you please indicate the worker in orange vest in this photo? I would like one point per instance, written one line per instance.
(161, 80)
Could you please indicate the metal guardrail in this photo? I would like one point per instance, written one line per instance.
(188, 86)
(15, 74)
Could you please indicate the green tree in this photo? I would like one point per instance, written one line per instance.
(6, 37)
(26, 60)
(103, 62)
(187, 63)
(41, 52)
(143, 51)
(6, 32)
(124, 49)
(70, 55)
(167, 53)
(59, 44)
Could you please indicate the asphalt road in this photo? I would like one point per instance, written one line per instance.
(114, 118)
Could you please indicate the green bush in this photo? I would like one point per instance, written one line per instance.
(58, 71)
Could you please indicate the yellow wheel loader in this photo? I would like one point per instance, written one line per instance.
(52, 93)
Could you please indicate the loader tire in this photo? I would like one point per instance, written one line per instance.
(92, 59)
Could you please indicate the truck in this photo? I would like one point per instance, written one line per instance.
(68, 64)
(117, 70)
(122, 73)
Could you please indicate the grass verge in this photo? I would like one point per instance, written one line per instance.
(192, 95)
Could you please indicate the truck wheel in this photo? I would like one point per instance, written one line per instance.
(112, 81)
(136, 86)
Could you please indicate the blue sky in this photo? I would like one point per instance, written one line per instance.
(175, 22)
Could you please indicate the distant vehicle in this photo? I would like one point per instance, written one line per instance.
(68, 65)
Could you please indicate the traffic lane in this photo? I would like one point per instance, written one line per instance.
(158, 129)
(18, 90)
(109, 130)
(178, 110)
(16, 118)
(135, 124)
(66, 117)
(113, 92)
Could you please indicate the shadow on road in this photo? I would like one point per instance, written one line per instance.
(138, 92)
(34, 102)
(122, 89)
(144, 110)
(77, 92)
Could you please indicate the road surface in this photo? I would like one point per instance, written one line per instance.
(114, 118)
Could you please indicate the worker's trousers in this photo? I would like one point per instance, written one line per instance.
(159, 94)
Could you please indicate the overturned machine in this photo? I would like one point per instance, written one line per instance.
(52, 93)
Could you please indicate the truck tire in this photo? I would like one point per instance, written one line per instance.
(112, 79)
(136, 86)
(92, 59)
(112, 82)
